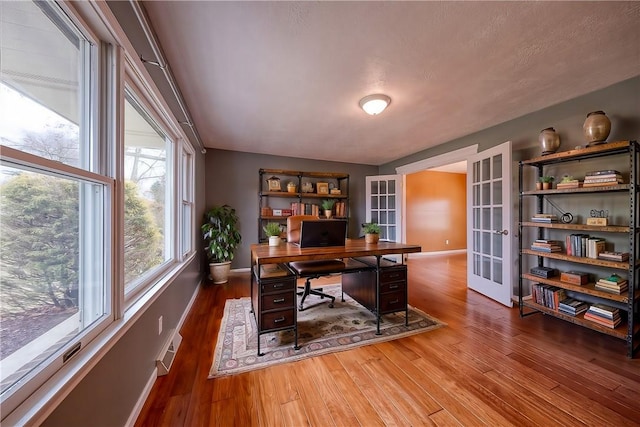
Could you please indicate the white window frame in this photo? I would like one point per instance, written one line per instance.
(187, 177)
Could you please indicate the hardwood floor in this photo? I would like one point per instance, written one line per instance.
(487, 367)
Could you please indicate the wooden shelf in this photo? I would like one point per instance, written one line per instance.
(583, 153)
(286, 194)
(619, 332)
(327, 175)
(588, 289)
(579, 190)
(579, 227)
(578, 259)
(283, 199)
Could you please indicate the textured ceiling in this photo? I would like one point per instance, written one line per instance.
(285, 78)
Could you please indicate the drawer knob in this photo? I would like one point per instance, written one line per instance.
(281, 319)
(278, 300)
(278, 285)
(395, 301)
(394, 286)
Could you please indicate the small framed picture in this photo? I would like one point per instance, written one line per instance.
(323, 188)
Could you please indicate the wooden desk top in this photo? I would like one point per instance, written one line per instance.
(287, 252)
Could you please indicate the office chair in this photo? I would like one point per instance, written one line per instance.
(310, 269)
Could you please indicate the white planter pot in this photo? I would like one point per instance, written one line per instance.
(220, 272)
(274, 240)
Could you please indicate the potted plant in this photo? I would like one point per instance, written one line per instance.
(272, 230)
(327, 205)
(371, 232)
(222, 237)
(545, 182)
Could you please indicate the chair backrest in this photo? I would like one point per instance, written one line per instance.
(294, 223)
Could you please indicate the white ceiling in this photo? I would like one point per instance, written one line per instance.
(285, 78)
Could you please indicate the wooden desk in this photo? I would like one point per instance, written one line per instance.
(263, 254)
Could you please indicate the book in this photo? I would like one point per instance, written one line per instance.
(548, 250)
(595, 246)
(572, 306)
(620, 285)
(611, 290)
(604, 310)
(601, 321)
(601, 184)
(614, 256)
(602, 172)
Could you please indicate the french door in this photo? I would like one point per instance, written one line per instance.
(489, 219)
(384, 205)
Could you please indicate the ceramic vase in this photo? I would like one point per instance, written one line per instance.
(596, 128)
(549, 141)
(274, 240)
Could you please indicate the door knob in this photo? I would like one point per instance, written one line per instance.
(503, 232)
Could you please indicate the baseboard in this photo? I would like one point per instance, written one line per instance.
(423, 254)
(142, 399)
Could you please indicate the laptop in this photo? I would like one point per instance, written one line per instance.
(324, 232)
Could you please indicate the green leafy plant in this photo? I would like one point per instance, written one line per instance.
(327, 204)
(221, 234)
(272, 229)
(546, 179)
(371, 228)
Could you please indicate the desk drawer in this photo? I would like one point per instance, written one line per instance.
(393, 274)
(277, 285)
(280, 300)
(277, 319)
(393, 287)
(393, 301)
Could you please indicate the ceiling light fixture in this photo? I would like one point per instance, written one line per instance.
(374, 104)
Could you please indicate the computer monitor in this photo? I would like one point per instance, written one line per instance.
(323, 232)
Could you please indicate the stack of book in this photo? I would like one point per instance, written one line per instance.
(583, 245)
(548, 296)
(568, 183)
(305, 209)
(543, 217)
(543, 245)
(613, 284)
(572, 307)
(602, 178)
(595, 246)
(614, 256)
(604, 315)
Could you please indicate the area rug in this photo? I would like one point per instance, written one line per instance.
(321, 330)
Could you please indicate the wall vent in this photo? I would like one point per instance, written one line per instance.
(168, 353)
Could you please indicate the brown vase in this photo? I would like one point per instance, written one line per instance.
(596, 128)
(549, 141)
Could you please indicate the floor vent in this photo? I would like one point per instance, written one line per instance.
(168, 353)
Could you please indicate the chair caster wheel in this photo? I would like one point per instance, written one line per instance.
(331, 305)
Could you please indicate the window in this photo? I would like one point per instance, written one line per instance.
(53, 208)
(148, 213)
(187, 202)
